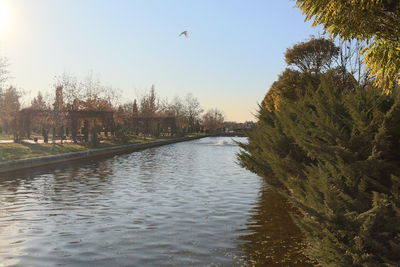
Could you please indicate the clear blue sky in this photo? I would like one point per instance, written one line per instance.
(233, 54)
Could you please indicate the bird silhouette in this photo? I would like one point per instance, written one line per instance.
(184, 33)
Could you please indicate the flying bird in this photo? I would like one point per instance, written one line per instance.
(185, 33)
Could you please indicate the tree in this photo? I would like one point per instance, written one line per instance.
(71, 90)
(331, 147)
(135, 109)
(4, 74)
(87, 94)
(43, 123)
(58, 104)
(177, 109)
(213, 120)
(58, 117)
(335, 156)
(315, 55)
(148, 104)
(312, 58)
(95, 95)
(291, 85)
(193, 111)
(377, 22)
(3, 79)
(350, 62)
(38, 102)
(9, 110)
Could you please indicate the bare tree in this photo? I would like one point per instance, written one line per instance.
(350, 61)
(213, 120)
(164, 107)
(71, 90)
(177, 109)
(87, 94)
(39, 102)
(193, 112)
(4, 73)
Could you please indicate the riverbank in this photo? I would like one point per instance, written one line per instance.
(29, 149)
(70, 152)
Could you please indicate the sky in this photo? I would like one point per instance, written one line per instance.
(234, 52)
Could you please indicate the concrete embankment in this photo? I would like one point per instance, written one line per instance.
(14, 165)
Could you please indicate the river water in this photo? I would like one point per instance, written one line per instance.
(186, 204)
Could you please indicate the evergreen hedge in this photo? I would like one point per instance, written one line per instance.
(334, 152)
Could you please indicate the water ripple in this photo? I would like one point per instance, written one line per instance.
(177, 205)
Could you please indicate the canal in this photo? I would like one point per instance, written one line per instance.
(186, 204)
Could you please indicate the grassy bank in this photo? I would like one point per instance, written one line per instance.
(6, 137)
(22, 151)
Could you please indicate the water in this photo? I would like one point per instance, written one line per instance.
(187, 204)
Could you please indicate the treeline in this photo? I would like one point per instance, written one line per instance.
(328, 135)
(9, 101)
(89, 94)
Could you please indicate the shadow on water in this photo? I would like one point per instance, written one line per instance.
(271, 238)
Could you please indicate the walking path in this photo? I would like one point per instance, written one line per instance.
(29, 141)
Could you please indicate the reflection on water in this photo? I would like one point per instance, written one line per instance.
(271, 238)
(186, 204)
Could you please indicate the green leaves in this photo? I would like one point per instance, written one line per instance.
(334, 153)
(377, 21)
(315, 55)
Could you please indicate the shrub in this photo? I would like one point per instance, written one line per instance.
(335, 154)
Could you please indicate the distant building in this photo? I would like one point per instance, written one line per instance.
(237, 127)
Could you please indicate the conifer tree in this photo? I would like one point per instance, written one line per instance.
(334, 152)
(39, 102)
(335, 155)
(135, 109)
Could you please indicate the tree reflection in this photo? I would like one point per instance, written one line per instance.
(272, 239)
(70, 179)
